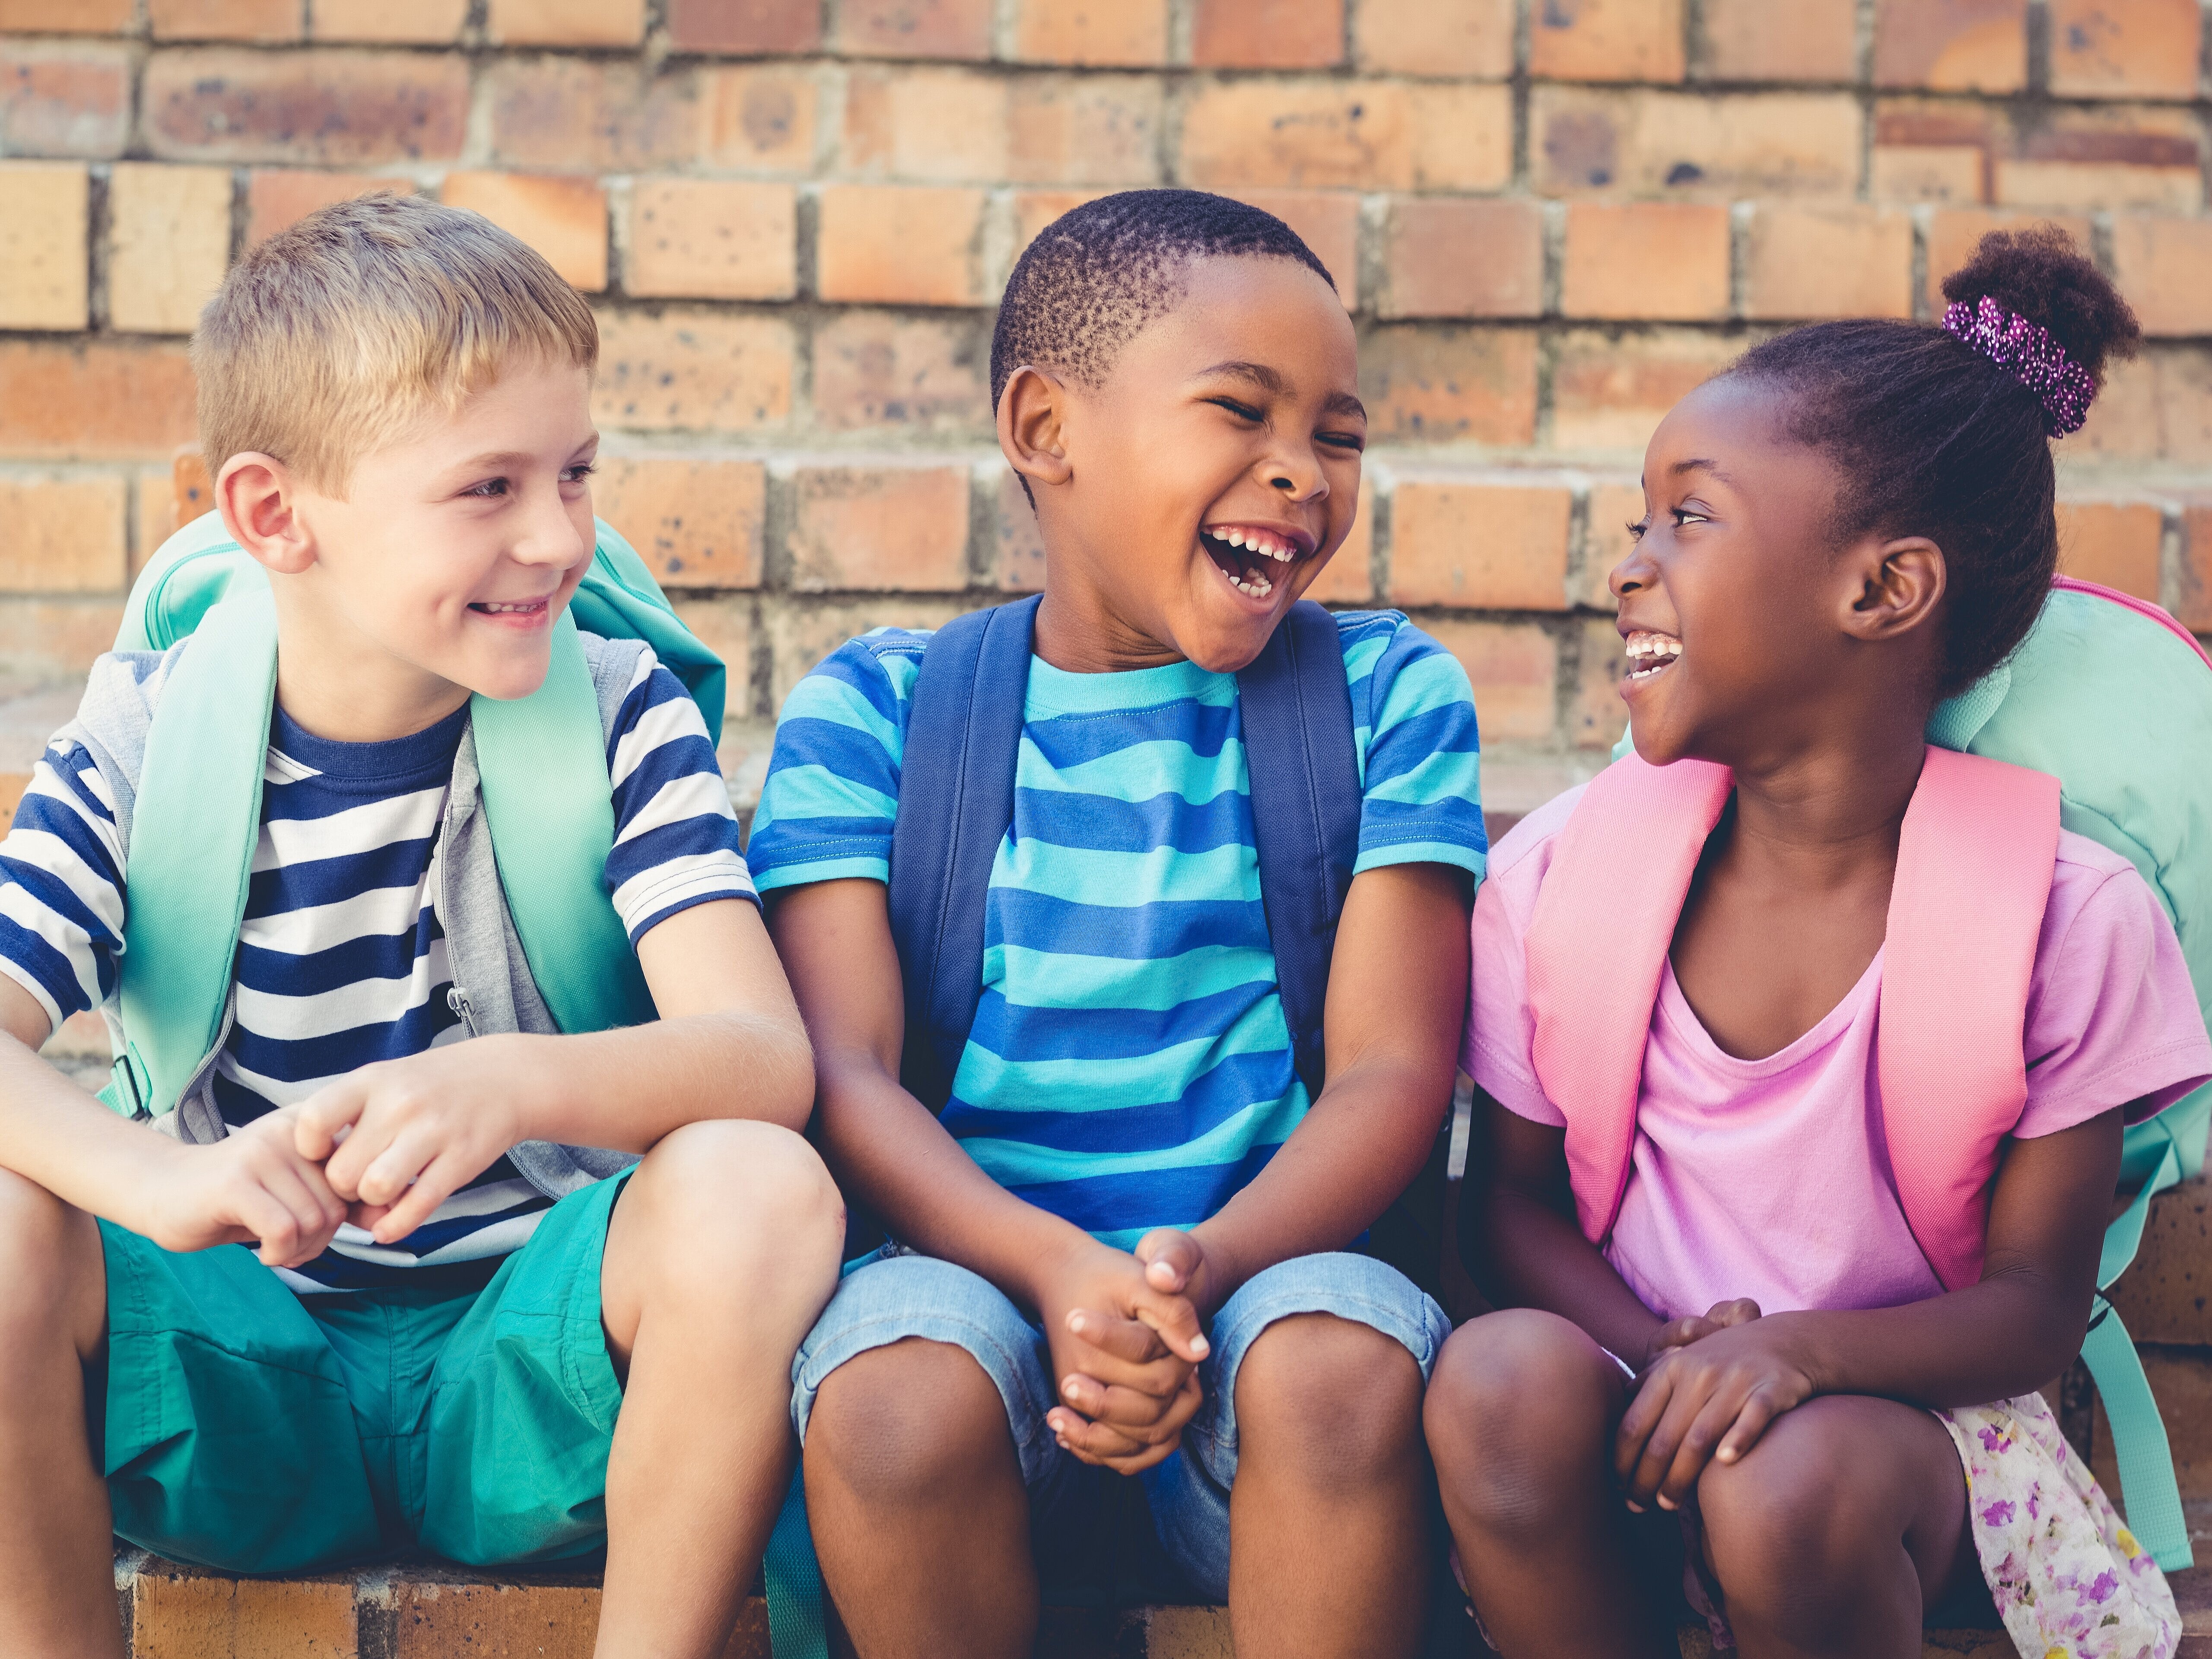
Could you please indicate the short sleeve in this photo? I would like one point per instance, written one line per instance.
(61, 885)
(1413, 716)
(830, 799)
(2112, 1014)
(677, 843)
(1499, 1047)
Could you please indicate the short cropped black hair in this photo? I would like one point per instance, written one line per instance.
(1933, 439)
(1098, 273)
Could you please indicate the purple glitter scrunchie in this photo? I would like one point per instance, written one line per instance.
(2032, 353)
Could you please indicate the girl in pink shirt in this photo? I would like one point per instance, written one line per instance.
(1757, 1367)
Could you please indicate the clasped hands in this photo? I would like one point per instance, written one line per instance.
(381, 1147)
(1126, 1330)
(1708, 1388)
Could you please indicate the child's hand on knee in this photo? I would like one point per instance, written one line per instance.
(1126, 1352)
(1710, 1398)
(1680, 1332)
(253, 1188)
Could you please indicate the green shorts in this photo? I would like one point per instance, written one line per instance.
(255, 1430)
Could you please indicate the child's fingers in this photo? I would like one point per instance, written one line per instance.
(1642, 1416)
(1176, 1321)
(1094, 1442)
(398, 1166)
(1123, 1409)
(318, 1120)
(1680, 1332)
(432, 1188)
(1171, 1258)
(1760, 1407)
(1739, 1311)
(1125, 1338)
(1681, 1484)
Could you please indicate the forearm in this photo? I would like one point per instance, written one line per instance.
(624, 1089)
(889, 1152)
(1533, 1256)
(53, 1133)
(2007, 1335)
(1356, 1151)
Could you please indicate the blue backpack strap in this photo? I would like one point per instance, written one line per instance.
(956, 801)
(1304, 773)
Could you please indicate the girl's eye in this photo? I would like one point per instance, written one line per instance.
(1637, 528)
(488, 488)
(1689, 515)
(1242, 411)
(578, 472)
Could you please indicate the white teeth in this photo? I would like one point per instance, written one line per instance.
(501, 610)
(1649, 653)
(1255, 541)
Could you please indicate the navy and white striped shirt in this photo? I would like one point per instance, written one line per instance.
(341, 957)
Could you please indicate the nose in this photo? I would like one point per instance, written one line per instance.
(1632, 573)
(549, 535)
(1296, 475)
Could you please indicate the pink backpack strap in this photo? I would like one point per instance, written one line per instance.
(1973, 874)
(1597, 942)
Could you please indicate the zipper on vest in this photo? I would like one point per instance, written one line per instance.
(458, 1001)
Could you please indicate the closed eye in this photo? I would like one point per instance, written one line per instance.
(1352, 441)
(488, 489)
(1242, 411)
(1637, 527)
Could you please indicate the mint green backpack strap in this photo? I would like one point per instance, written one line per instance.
(192, 834)
(794, 1580)
(542, 762)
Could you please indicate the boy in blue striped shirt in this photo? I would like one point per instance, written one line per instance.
(471, 1289)
(1123, 1246)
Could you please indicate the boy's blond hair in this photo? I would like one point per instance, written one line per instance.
(333, 336)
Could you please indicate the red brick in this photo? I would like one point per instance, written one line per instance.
(1610, 390)
(1956, 232)
(1515, 668)
(1666, 260)
(915, 28)
(2125, 48)
(45, 642)
(1782, 39)
(566, 22)
(1348, 577)
(181, 1613)
(1085, 129)
(694, 371)
(2125, 421)
(262, 20)
(724, 627)
(1327, 221)
(926, 124)
(1598, 717)
(280, 197)
(63, 99)
(1365, 135)
(2160, 266)
(916, 375)
(565, 219)
(1708, 146)
(192, 492)
(1430, 384)
(2115, 543)
(95, 400)
(1929, 172)
(546, 1621)
(155, 512)
(711, 238)
(65, 535)
(1455, 256)
(1017, 564)
(2107, 157)
(44, 214)
(1499, 546)
(697, 522)
(1828, 259)
(1036, 208)
(327, 108)
(1472, 38)
(168, 245)
(890, 245)
(896, 526)
(1268, 33)
(2194, 606)
(1607, 40)
(759, 118)
(1614, 505)
(64, 17)
(801, 633)
(745, 26)
(610, 117)
(1951, 45)
(391, 22)
(1131, 34)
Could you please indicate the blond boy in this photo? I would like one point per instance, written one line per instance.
(477, 1321)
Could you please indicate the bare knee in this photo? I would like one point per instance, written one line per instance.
(1794, 1529)
(911, 1425)
(1517, 1414)
(733, 1200)
(53, 1282)
(1333, 1403)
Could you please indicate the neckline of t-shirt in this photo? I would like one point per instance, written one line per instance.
(1676, 1009)
(417, 758)
(1121, 691)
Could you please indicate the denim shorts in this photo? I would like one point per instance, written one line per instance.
(895, 1296)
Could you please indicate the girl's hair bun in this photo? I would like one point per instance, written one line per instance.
(2040, 274)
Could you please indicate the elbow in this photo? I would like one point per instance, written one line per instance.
(793, 1070)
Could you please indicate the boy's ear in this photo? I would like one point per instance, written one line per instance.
(1032, 425)
(1895, 586)
(259, 506)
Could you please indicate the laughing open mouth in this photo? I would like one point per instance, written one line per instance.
(1253, 559)
(1651, 654)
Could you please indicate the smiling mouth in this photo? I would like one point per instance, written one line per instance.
(1253, 560)
(1650, 655)
(510, 607)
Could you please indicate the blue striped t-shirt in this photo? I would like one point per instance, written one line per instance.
(342, 959)
(1130, 1067)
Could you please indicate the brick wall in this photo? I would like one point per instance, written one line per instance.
(1549, 217)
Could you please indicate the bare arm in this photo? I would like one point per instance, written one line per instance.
(1397, 989)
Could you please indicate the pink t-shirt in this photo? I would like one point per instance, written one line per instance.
(1770, 1178)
